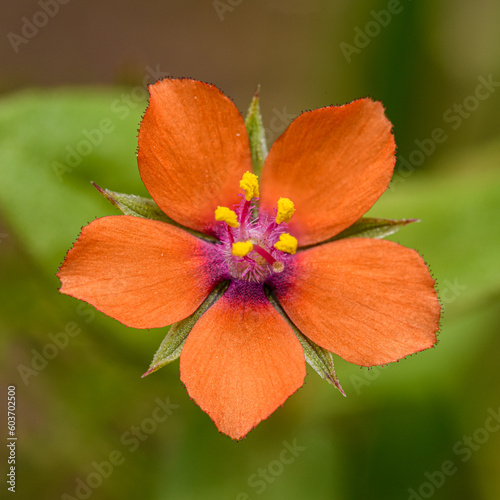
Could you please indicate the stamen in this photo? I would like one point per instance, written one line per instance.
(226, 215)
(286, 208)
(250, 184)
(243, 214)
(270, 228)
(242, 248)
(287, 243)
(230, 235)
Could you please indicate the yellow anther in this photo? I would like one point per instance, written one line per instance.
(242, 248)
(250, 184)
(286, 208)
(226, 215)
(287, 243)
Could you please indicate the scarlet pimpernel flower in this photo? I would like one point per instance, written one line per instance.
(260, 261)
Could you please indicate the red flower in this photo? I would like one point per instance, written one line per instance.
(370, 301)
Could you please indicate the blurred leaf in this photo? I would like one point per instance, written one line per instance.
(53, 143)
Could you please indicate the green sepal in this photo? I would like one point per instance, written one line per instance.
(131, 204)
(256, 134)
(171, 347)
(368, 227)
(320, 359)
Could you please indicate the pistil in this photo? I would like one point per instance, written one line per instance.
(264, 254)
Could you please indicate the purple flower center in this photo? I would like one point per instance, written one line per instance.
(257, 258)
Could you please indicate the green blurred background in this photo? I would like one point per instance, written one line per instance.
(426, 427)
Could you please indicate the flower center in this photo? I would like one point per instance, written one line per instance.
(255, 246)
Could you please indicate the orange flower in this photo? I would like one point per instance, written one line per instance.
(293, 283)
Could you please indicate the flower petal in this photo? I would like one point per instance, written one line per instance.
(333, 163)
(171, 347)
(317, 357)
(193, 150)
(369, 301)
(241, 360)
(144, 273)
